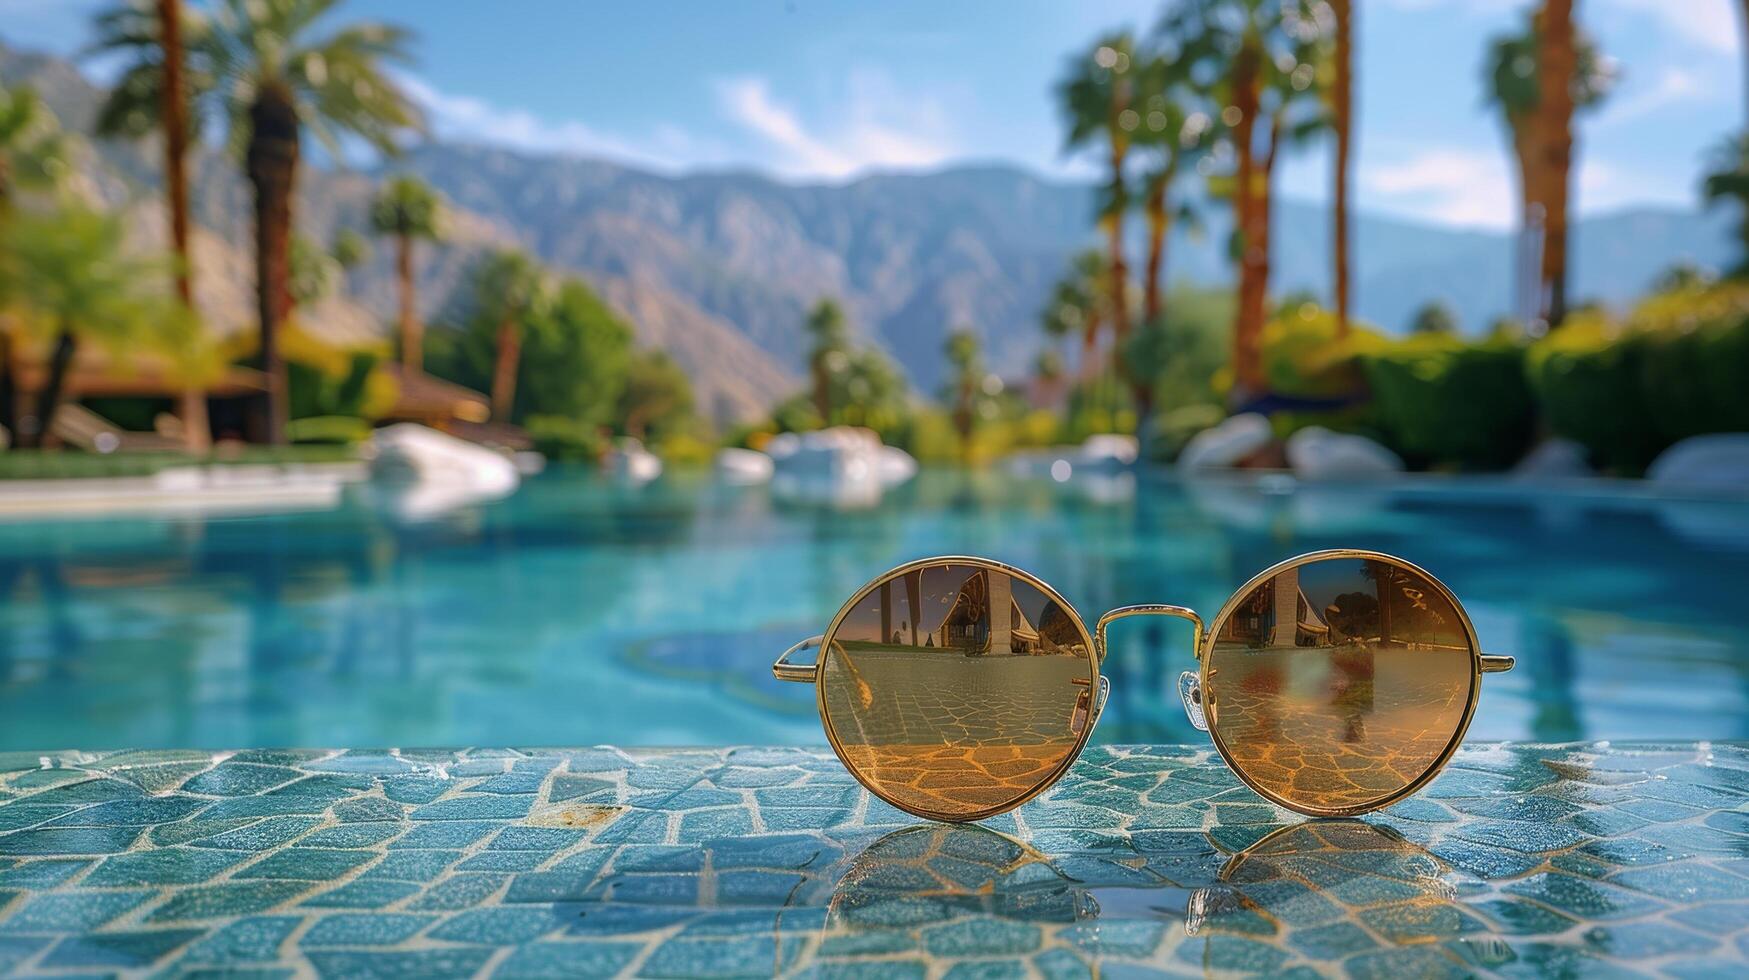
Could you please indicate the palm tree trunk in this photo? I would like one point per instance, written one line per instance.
(1159, 226)
(822, 390)
(8, 392)
(412, 338)
(272, 166)
(505, 367)
(1342, 94)
(196, 426)
(1248, 317)
(1558, 64)
(174, 112)
(1113, 220)
(49, 399)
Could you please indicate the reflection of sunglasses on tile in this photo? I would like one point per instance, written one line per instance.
(1334, 683)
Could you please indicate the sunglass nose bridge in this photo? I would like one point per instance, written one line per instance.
(1147, 609)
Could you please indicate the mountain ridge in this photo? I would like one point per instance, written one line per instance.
(719, 267)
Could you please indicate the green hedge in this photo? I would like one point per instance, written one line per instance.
(1441, 401)
(1678, 366)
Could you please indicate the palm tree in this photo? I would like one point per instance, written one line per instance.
(350, 249)
(274, 69)
(967, 362)
(1174, 131)
(1097, 96)
(1342, 120)
(1514, 84)
(1078, 306)
(1558, 58)
(407, 209)
(67, 271)
(827, 329)
(33, 153)
(509, 289)
(1729, 181)
(153, 90)
(153, 93)
(1262, 56)
(33, 156)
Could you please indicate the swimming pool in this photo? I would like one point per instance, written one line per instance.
(577, 611)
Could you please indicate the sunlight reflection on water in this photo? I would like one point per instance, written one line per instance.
(576, 612)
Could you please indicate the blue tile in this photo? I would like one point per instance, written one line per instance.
(306, 864)
(435, 964)
(260, 835)
(563, 960)
(446, 834)
(129, 813)
(412, 865)
(504, 861)
(363, 894)
(69, 840)
(125, 950)
(497, 926)
(72, 911)
(474, 808)
(232, 778)
(42, 873)
(256, 939)
(460, 891)
(226, 900)
(363, 929)
(163, 866)
(352, 835)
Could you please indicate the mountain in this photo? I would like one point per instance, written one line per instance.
(720, 268)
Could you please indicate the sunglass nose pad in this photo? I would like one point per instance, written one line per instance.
(1190, 690)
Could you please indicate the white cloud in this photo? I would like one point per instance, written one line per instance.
(465, 117)
(1449, 185)
(1672, 86)
(866, 135)
(1709, 24)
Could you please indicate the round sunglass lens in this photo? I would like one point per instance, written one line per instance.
(955, 690)
(1338, 683)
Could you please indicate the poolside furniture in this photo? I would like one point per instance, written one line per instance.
(1229, 444)
(1317, 453)
(743, 466)
(1719, 461)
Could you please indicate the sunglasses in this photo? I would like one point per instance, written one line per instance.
(1333, 684)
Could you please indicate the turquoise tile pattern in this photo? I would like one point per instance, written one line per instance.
(1519, 861)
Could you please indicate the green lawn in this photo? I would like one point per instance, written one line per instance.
(24, 464)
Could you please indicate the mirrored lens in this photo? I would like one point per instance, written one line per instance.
(1337, 683)
(956, 689)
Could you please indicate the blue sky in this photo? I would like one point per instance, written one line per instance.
(815, 90)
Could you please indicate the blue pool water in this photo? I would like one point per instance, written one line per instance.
(578, 612)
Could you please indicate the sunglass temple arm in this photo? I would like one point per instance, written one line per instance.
(1496, 663)
(783, 670)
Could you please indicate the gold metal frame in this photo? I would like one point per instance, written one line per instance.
(1480, 663)
(1478, 666)
(784, 670)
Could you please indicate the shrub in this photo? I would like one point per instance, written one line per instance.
(1440, 400)
(1586, 378)
(1302, 357)
(1694, 345)
(566, 440)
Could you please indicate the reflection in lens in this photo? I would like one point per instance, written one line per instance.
(1337, 683)
(956, 689)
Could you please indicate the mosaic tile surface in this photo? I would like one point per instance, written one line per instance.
(1618, 860)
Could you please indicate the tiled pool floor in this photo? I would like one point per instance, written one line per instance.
(1519, 860)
